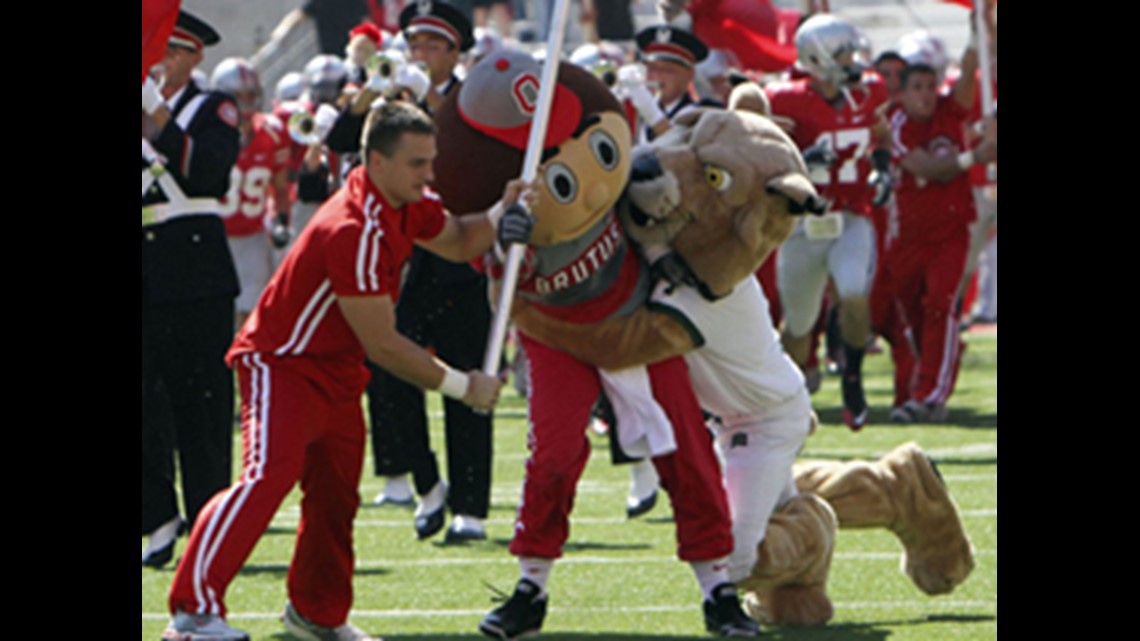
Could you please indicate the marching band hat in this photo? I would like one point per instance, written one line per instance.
(444, 20)
(668, 43)
(193, 33)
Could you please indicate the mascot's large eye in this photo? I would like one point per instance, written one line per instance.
(560, 182)
(717, 178)
(605, 149)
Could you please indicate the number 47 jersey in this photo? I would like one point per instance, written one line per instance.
(266, 152)
(848, 129)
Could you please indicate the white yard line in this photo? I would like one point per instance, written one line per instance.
(392, 614)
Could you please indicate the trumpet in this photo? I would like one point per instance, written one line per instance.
(310, 129)
(385, 64)
(607, 72)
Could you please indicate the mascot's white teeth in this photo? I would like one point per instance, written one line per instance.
(652, 201)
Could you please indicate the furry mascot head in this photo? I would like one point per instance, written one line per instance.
(718, 188)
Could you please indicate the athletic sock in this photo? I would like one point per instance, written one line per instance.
(643, 481)
(710, 574)
(536, 570)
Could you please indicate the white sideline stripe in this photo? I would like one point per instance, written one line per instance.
(935, 453)
(392, 614)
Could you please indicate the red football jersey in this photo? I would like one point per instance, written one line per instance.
(355, 245)
(245, 205)
(927, 209)
(847, 130)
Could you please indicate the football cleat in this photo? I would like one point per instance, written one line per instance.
(724, 616)
(520, 616)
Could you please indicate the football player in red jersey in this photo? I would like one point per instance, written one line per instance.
(258, 178)
(834, 115)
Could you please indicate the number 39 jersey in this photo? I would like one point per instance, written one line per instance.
(245, 204)
(848, 131)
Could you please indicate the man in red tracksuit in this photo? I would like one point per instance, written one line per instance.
(928, 237)
(300, 364)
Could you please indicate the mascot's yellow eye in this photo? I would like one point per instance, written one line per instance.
(717, 178)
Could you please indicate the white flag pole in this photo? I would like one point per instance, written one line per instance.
(515, 254)
(984, 57)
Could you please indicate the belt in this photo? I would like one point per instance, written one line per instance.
(188, 207)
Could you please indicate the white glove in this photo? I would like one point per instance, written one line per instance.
(379, 84)
(413, 78)
(631, 74)
(631, 85)
(324, 120)
(151, 98)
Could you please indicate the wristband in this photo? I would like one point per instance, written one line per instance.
(454, 383)
(495, 214)
(965, 160)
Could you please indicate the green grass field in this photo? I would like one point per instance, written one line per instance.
(619, 578)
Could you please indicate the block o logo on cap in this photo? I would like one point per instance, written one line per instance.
(525, 92)
(500, 95)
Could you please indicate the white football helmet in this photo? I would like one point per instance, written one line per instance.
(821, 41)
(486, 42)
(325, 76)
(237, 77)
(923, 47)
(289, 87)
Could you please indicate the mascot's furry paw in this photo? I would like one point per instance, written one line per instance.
(788, 583)
(904, 493)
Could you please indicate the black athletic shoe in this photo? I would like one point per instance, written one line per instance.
(520, 616)
(855, 410)
(641, 507)
(428, 525)
(724, 616)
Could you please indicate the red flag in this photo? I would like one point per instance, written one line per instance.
(969, 4)
(158, 18)
(760, 35)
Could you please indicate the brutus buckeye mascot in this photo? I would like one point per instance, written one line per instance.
(580, 268)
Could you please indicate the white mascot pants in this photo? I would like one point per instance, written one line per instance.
(742, 375)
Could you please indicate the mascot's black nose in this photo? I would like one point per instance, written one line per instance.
(645, 167)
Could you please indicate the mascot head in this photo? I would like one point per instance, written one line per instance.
(722, 187)
(482, 131)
